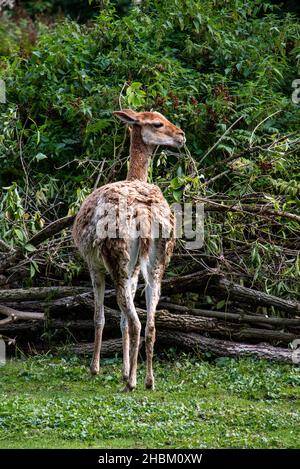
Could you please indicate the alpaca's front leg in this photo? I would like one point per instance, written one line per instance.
(99, 322)
(150, 340)
(134, 335)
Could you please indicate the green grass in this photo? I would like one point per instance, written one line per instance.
(51, 402)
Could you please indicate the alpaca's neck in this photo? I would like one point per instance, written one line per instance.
(140, 154)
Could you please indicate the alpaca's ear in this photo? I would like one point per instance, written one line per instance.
(128, 116)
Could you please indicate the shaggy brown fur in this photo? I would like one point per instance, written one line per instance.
(133, 209)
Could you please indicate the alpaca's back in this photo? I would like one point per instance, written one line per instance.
(120, 221)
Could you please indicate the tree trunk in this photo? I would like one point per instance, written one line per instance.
(39, 293)
(256, 297)
(109, 348)
(15, 315)
(234, 317)
(195, 342)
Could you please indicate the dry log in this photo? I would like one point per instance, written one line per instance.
(15, 315)
(62, 305)
(194, 280)
(195, 342)
(248, 295)
(191, 323)
(39, 293)
(109, 347)
(36, 327)
(192, 342)
(75, 296)
(211, 280)
(112, 324)
(217, 284)
(258, 335)
(28, 327)
(232, 317)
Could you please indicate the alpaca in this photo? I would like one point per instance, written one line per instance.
(134, 245)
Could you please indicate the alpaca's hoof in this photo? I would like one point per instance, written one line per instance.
(94, 370)
(128, 388)
(149, 384)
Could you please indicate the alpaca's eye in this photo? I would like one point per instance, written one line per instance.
(157, 125)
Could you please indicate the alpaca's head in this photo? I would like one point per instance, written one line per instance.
(155, 128)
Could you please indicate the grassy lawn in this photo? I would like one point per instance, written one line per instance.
(51, 402)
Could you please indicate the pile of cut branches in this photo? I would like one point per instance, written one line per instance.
(47, 316)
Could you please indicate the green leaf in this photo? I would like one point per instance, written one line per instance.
(32, 271)
(30, 248)
(177, 195)
(220, 304)
(40, 157)
(176, 183)
(20, 234)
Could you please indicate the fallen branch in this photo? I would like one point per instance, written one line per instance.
(51, 229)
(46, 233)
(249, 150)
(9, 340)
(248, 295)
(261, 210)
(39, 293)
(234, 317)
(195, 280)
(15, 315)
(224, 348)
(4, 247)
(109, 348)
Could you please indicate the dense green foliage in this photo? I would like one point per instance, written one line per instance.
(206, 65)
(51, 402)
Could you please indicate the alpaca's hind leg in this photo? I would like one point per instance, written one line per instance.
(153, 269)
(152, 297)
(98, 281)
(125, 327)
(125, 342)
(134, 280)
(126, 305)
